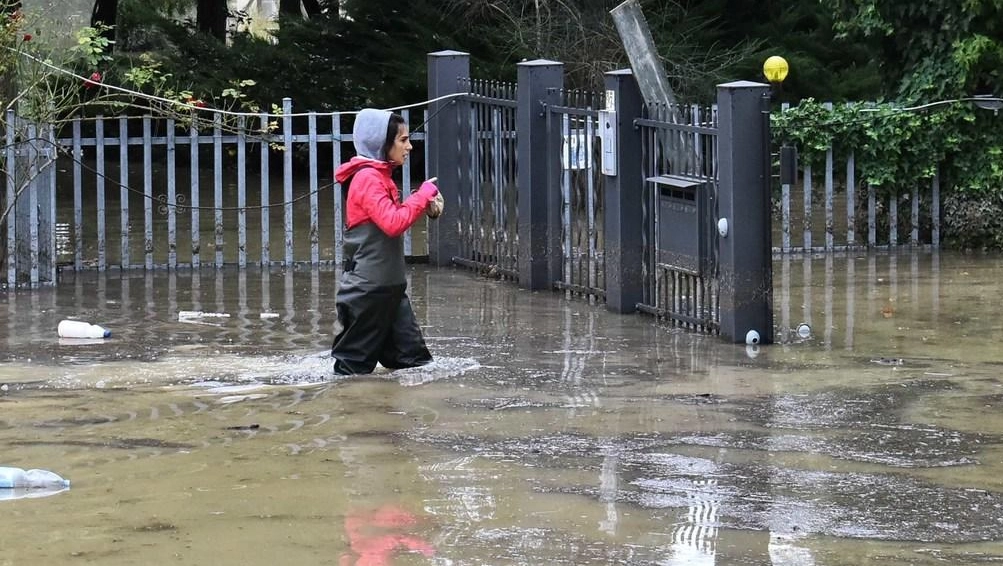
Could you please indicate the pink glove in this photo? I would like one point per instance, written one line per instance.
(428, 189)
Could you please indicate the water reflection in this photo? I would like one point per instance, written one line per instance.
(694, 541)
(608, 488)
(377, 536)
(302, 301)
(872, 300)
(547, 431)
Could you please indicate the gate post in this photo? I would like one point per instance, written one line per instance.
(540, 82)
(623, 192)
(745, 241)
(442, 135)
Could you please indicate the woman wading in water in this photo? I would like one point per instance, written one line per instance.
(375, 321)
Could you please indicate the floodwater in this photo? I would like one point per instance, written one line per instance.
(548, 431)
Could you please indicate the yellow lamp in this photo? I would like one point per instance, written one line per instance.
(775, 68)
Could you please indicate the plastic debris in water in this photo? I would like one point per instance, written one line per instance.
(17, 483)
(191, 315)
(81, 329)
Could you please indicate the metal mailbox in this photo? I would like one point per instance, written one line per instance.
(683, 223)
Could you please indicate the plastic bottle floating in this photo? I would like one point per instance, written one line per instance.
(17, 483)
(81, 329)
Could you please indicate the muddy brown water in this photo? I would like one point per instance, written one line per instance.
(547, 431)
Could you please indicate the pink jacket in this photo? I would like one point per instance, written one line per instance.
(374, 197)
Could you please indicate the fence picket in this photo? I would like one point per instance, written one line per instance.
(893, 219)
(125, 259)
(172, 221)
(52, 154)
(241, 191)
(193, 137)
(10, 204)
(935, 205)
(339, 223)
(217, 185)
(468, 246)
(872, 221)
(287, 176)
(590, 189)
(829, 197)
(566, 200)
(807, 207)
(497, 182)
(406, 186)
(78, 209)
(314, 229)
(851, 195)
(265, 198)
(147, 193)
(99, 166)
(914, 238)
(33, 173)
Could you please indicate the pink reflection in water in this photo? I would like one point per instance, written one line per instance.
(375, 536)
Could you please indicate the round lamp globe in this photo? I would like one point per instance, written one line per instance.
(775, 69)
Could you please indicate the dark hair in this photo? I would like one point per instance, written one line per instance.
(393, 126)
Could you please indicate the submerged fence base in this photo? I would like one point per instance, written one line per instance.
(29, 206)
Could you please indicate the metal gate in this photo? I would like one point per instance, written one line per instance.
(583, 269)
(680, 263)
(486, 155)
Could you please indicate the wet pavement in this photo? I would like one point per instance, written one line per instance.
(547, 431)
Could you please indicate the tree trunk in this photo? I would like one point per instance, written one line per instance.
(312, 8)
(289, 8)
(8, 90)
(106, 13)
(211, 18)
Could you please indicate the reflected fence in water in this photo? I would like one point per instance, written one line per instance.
(836, 295)
(667, 455)
(266, 310)
(807, 290)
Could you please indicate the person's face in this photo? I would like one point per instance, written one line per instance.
(402, 146)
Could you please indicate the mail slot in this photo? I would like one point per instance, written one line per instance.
(683, 237)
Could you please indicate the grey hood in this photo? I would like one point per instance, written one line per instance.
(370, 132)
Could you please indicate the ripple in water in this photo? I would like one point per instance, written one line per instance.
(439, 368)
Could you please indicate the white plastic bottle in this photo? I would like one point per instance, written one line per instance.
(81, 329)
(17, 478)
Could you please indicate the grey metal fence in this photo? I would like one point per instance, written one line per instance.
(488, 197)
(144, 192)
